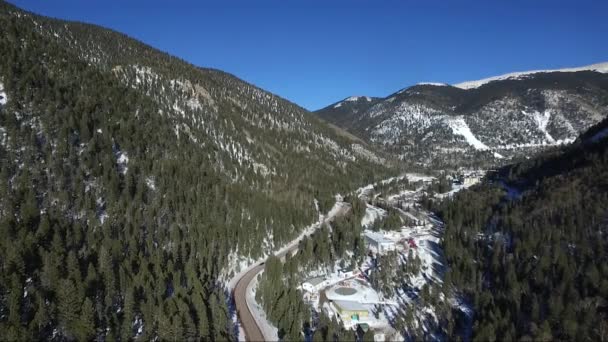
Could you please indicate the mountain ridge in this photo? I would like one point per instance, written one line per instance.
(510, 117)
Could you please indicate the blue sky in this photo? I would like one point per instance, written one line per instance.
(316, 52)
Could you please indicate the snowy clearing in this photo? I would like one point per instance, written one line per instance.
(415, 177)
(460, 127)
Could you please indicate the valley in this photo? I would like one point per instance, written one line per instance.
(143, 197)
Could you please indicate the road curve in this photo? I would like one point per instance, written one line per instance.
(244, 314)
(252, 331)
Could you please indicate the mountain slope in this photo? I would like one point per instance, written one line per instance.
(510, 117)
(132, 183)
(342, 112)
(529, 249)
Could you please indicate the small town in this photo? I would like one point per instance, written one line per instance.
(348, 295)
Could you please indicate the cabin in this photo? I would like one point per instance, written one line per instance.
(346, 272)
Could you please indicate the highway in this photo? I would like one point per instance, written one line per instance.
(244, 314)
(252, 331)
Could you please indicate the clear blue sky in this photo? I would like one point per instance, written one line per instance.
(316, 52)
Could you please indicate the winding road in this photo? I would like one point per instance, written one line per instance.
(252, 331)
(244, 314)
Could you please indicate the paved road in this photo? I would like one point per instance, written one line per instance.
(252, 331)
(245, 316)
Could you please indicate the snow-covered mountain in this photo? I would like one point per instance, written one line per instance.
(599, 67)
(485, 121)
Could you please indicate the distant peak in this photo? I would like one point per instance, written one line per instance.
(599, 67)
(357, 98)
(437, 84)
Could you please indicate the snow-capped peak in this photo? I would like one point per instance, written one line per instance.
(356, 98)
(599, 67)
(437, 84)
(353, 99)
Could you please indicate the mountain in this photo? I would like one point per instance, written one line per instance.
(132, 184)
(483, 122)
(528, 248)
(342, 112)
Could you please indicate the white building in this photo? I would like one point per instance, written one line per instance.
(379, 242)
(315, 284)
(471, 180)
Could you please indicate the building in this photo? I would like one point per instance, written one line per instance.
(379, 242)
(346, 272)
(471, 180)
(349, 311)
(314, 284)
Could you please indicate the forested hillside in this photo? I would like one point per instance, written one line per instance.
(131, 182)
(529, 250)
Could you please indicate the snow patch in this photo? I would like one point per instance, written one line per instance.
(151, 183)
(433, 84)
(357, 98)
(498, 155)
(371, 215)
(122, 161)
(460, 127)
(3, 97)
(541, 120)
(269, 331)
(338, 105)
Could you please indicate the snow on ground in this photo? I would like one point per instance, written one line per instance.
(371, 215)
(541, 144)
(3, 136)
(151, 183)
(243, 265)
(338, 105)
(498, 155)
(455, 189)
(437, 84)
(460, 127)
(364, 190)
(356, 98)
(122, 160)
(600, 67)
(415, 177)
(3, 97)
(541, 120)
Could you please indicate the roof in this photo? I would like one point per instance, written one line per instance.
(377, 237)
(315, 281)
(349, 305)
